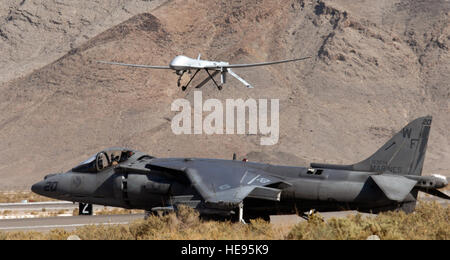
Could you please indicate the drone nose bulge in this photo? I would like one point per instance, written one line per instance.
(179, 63)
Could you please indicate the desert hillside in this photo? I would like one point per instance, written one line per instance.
(34, 33)
(375, 66)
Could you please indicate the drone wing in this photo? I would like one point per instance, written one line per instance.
(261, 64)
(134, 65)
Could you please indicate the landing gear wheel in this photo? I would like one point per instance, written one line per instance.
(148, 213)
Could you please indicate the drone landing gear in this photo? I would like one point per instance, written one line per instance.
(180, 73)
(183, 88)
(210, 77)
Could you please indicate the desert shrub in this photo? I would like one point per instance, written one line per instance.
(103, 232)
(429, 221)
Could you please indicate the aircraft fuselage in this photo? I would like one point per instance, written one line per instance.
(389, 179)
(321, 189)
(182, 63)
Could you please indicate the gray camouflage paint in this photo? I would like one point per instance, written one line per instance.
(388, 180)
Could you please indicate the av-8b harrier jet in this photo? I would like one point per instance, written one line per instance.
(390, 179)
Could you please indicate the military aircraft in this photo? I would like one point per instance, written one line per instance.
(182, 64)
(390, 179)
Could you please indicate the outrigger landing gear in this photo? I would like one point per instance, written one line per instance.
(241, 213)
(308, 214)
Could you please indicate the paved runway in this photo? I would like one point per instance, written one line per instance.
(67, 223)
(38, 206)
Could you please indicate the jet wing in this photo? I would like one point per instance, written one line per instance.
(134, 65)
(224, 183)
(230, 66)
(227, 194)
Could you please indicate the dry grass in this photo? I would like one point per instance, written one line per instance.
(184, 225)
(116, 211)
(430, 221)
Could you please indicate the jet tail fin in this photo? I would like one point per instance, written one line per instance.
(403, 154)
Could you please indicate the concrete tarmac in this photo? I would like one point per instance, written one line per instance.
(67, 223)
(47, 205)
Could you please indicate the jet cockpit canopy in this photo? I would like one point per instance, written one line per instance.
(104, 159)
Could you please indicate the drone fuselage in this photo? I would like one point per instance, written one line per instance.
(183, 63)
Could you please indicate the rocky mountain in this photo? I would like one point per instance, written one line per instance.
(375, 66)
(34, 33)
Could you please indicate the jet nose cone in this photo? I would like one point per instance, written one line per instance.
(52, 186)
(38, 188)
